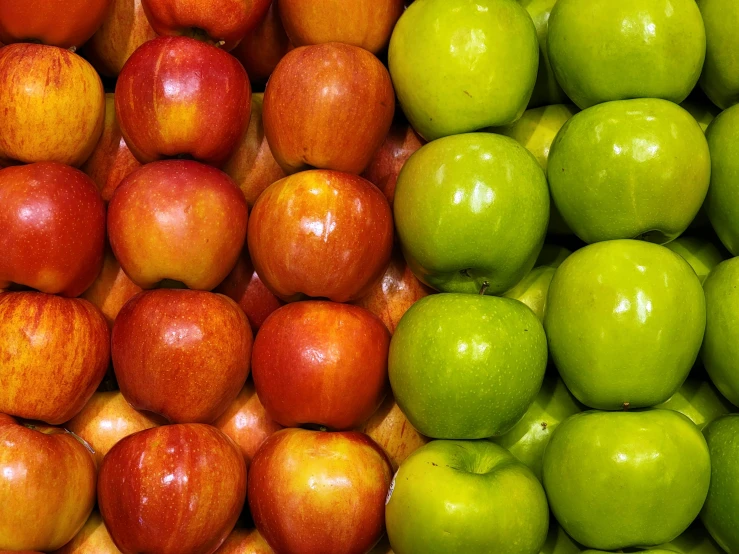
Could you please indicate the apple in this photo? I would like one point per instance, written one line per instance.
(111, 161)
(656, 462)
(66, 24)
(55, 353)
(199, 340)
(245, 541)
(313, 492)
(178, 96)
(460, 66)
(123, 30)
(456, 193)
(627, 49)
(630, 169)
(178, 220)
(367, 23)
(327, 106)
(52, 228)
(47, 486)
(252, 165)
(698, 400)
(263, 46)
(458, 497)
(702, 255)
(111, 289)
(106, 419)
(720, 77)
(558, 542)
(625, 321)
(93, 538)
(246, 422)
(172, 489)
(321, 233)
(451, 375)
(321, 363)
(52, 105)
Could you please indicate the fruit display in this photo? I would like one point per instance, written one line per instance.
(369, 276)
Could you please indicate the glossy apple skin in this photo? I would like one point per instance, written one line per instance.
(698, 400)
(627, 49)
(200, 340)
(702, 255)
(444, 79)
(52, 228)
(179, 96)
(252, 165)
(47, 486)
(111, 161)
(312, 492)
(264, 46)
(55, 353)
(720, 77)
(245, 541)
(52, 105)
(321, 363)
(172, 489)
(106, 419)
(93, 538)
(111, 289)
(156, 234)
(65, 23)
(328, 106)
(322, 234)
(457, 497)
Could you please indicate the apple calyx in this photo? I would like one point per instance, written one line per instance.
(203, 36)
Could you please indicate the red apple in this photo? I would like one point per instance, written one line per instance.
(328, 106)
(364, 23)
(64, 23)
(55, 352)
(111, 160)
(182, 354)
(179, 220)
(111, 289)
(52, 228)
(93, 538)
(245, 541)
(52, 105)
(264, 46)
(252, 165)
(47, 486)
(321, 233)
(179, 96)
(314, 492)
(223, 22)
(321, 363)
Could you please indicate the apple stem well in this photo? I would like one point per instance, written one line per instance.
(203, 36)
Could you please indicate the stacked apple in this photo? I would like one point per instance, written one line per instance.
(293, 321)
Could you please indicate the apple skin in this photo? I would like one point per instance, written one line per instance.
(312, 492)
(200, 340)
(52, 228)
(321, 363)
(450, 376)
(52, 105)
(93, 538)
(720, 77)
(245, 541)
(111, 289)
(607, 51)
(321, 233)
(47, 486)
(172, 489)
(602, 157)
(457, 191)
(702, 255)
(65, 24)
(56, 352)
(450, 83)
(698, 400)
(327, 106)
(264, 46)
(179, 96)
(458, 497)
(597, 461)
(111, 161)
(156, 234)
(625, 321)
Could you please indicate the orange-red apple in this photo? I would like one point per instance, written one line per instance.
(264, 46)
(111, 289)
(93, 538)
(245, 541)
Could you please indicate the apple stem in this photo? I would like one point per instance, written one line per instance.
(626, 406)
(484, 288)
(73, 49)
(220, 43)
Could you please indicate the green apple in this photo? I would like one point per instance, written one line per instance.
(702, 111)
(722, 201)
(603, 50)
(462, 65)
(558, 542)
(625, 321)
(720, 77)
(720, 513)
(698, 400)
(629, 169)
(465, 366)
(701, 254)
(465, 497)
(471, 209)
(695, 540)
(624, 479)
(529, 437)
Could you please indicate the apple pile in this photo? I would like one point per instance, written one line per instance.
(379, 276)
